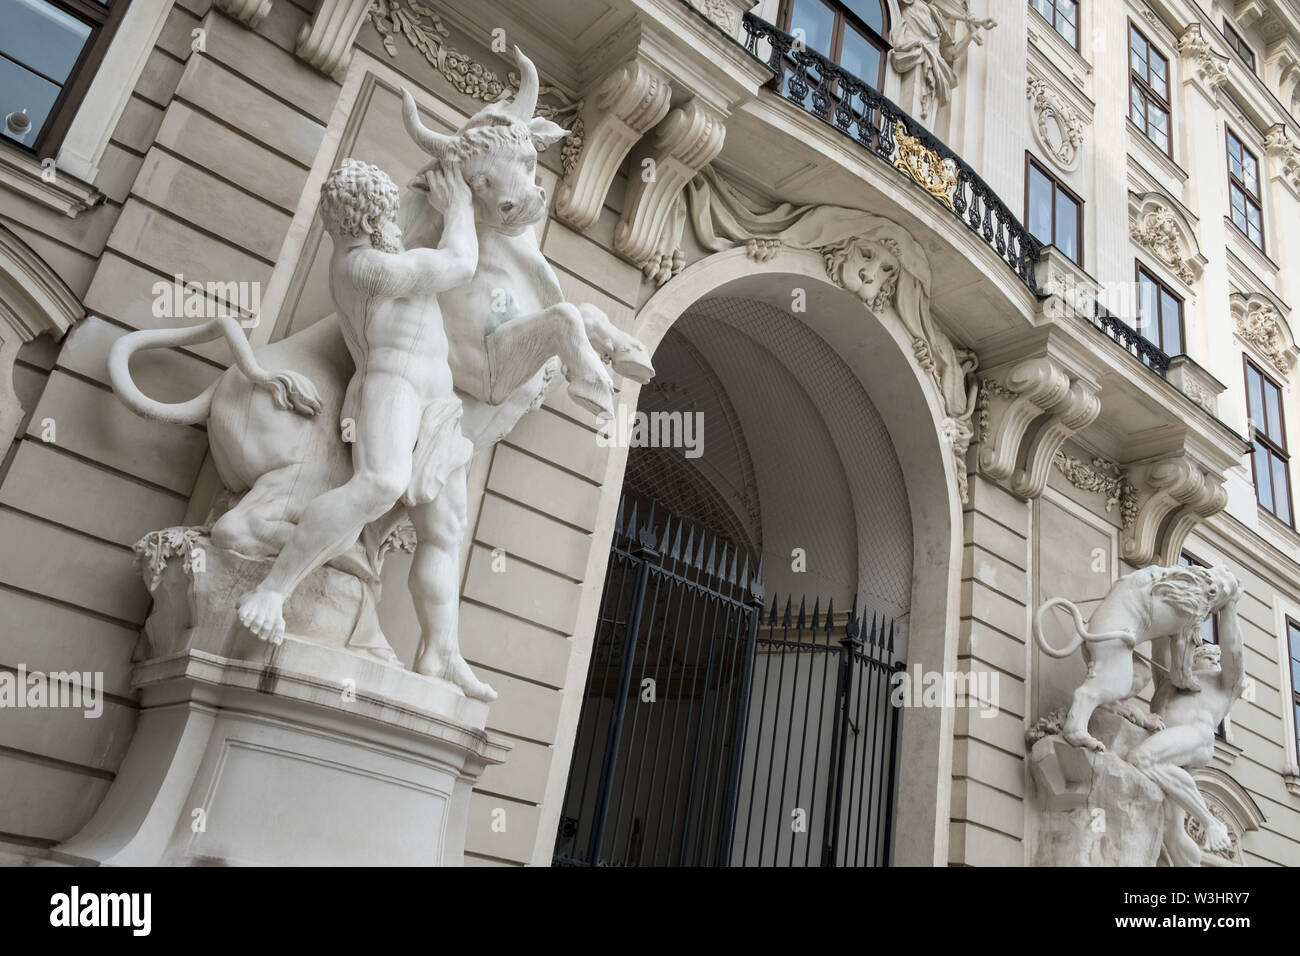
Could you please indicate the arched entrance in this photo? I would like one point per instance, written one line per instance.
(793, 465)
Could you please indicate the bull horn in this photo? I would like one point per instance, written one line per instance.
(435, 144)
(525, 102)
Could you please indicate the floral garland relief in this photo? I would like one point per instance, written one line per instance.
(467, 75)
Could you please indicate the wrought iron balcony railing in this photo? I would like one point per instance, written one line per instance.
(858, 110)
(1132, 341)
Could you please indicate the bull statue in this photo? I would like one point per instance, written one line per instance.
(280, 439)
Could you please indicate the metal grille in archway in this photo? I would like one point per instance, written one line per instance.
(718, 730)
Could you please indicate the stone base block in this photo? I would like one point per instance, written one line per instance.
(314, 756)
(1096, 809)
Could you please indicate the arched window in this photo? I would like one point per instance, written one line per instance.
(848, 32)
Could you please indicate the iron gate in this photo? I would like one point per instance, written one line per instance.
(717, 732)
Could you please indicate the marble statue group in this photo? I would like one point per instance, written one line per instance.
(1159, 611)
(450, 326)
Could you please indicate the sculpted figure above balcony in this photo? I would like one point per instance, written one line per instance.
(928, 39)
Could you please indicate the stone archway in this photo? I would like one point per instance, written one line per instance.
(880, 355)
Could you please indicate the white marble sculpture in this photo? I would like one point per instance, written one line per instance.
(1168, 605)
(928, 39)
(278, 438)
(1191, 718)
(1162, 610)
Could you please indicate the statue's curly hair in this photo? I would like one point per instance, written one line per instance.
(357, 197)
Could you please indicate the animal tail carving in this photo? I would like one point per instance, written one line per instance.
(1080, 631)
(289, 390)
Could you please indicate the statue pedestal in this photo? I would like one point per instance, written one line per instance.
(297, 754)
(1096, 809)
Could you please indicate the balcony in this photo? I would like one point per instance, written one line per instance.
(850, 105)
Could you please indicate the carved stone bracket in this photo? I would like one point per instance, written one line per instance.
(1173, 496)
(627, 102)
(326, 41)
(680, 146)
(1026, 419)
(1286, 158)
(249, 12)
(1209, 70)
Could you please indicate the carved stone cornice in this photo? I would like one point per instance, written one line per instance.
(1173, 495)
(1035, 407)
(1285, 154)
(627, 102)
(1257, 322)
(249, 12)
(1209, 70)
(1057, 126)
(326, 40)
(663, 163)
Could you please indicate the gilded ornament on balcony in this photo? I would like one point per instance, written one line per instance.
(926, 168)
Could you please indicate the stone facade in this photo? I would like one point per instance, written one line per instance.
(995, 396)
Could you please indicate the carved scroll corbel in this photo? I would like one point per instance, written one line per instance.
(248, 12)
(683, 144)
(326, 40)
(1012, 449)
(628, 102)
(1173, 496)
(1079, 408)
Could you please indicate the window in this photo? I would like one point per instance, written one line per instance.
(1160, 313)
(850, 33)
(1239, 46)
(1053, 213)
(48, 52)
(1293, 642)
(1149, 90)
(1063, 15)
(1268, 432)
(1243, 190)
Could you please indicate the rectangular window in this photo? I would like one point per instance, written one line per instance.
(1293, 643)
(1243, 190)
(1239, 46)
(1149, 90)
(1268, 432)
(1053, 213)
(1063, 15)
(1160, 313)
(48, 53)
(847, 32)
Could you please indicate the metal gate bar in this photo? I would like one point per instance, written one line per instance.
(682, 629)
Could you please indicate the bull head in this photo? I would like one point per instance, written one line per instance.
(496, 152)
